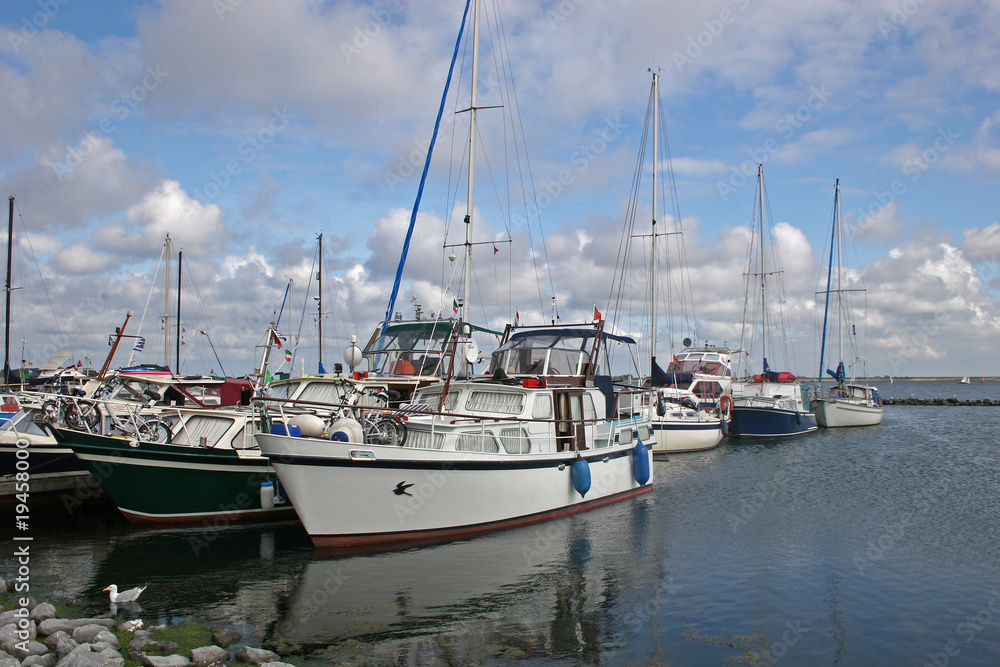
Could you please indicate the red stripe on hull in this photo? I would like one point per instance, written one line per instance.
(405, 540)
(238, 516)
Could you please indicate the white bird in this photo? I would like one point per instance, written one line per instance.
(130, 595)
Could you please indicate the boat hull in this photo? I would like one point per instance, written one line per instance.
(676, 436)
(153, 483)
(770, 422)
(833, 413)
(354, 495)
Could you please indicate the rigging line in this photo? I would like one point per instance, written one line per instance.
(423, 176)
(305, 299)
(38, 267)
(516, 112)
(152, 286)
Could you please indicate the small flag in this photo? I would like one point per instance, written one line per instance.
(597, 313)
(278, 338)
(495, 249)
(79, 364)
(268, 377)
(454, 305)
(517, 318)
(676, 360)
(111, 340)
(139, 345)
(288, 354)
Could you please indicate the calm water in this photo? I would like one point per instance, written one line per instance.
(865, 546)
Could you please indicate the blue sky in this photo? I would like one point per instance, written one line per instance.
(247, 128)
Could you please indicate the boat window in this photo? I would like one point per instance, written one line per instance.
(515, 440)
(284, 389)
(244, 438)
(626, 436)
(589, 413)
(542, 408)
(22, 426)
(432, 397)
(423, 439)
(477, 441)
(645, 434)
(707, 390)
(322, 392)
(212, 428)
(508, 402)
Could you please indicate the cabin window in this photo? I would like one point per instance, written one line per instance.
(423, 439)
(244, 439)
(202, 426)
(626, 436)
(432, 398)
(645, 434)
(322, 392)
(542, 409)
(477, 441)
(496, 401)
(515, 440)
(589, 412)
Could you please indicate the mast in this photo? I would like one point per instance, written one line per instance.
(319, 301)
(177, 342)
(166, 305)
(829, 276)
(6, 328)
(466, 288)
(763, 273)
(840, 261)
(656, 155)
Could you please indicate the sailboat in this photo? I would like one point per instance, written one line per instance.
(846, 403)
(965, 380)
(771, 405)
(679, 422)
(546, 432)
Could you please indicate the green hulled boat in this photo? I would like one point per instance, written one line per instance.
(210, 470)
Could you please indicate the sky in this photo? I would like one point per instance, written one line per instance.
(246, 129)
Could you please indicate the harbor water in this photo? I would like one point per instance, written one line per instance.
(867, 546)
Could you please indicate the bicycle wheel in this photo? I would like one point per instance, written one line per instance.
(385, 430)
(154, 430)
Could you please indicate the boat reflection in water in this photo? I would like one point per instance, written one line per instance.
(542, 590)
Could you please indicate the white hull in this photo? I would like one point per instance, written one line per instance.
(833, 413)
(350, 494)
(685, 435)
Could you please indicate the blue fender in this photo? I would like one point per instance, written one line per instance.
(640, 463)
(581, 476)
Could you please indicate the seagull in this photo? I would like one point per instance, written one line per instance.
(131, 595)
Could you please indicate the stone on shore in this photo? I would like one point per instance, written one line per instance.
(209, 655)
(83, 656)
(22, 650)
(165, 661)
(225, 637)
(42, 612)
(256, 655)
(7, 660)
(85, 634)
(69, 625)
(46, 660)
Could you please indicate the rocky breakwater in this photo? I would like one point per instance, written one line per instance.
(938, 401)
(32, 634)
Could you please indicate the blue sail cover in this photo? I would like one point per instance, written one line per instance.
(841, 373)
(660, 378)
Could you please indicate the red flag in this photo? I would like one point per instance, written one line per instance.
(676, 360)
(495, 249)
(517, 318)
(597, 313)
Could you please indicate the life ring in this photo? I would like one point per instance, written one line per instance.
(725, 405)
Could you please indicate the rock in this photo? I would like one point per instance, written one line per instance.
(85, 634)
(107, 637)
(65, 646)
(52, 640)
(256, 655)
(82, 656)
(3, 586)
(42, 612)
(7, 660)
(10, 616)
(276, 664)
(166, 647)
(8, 631)
(46, 660)
(166, 661)
(140, 640)
(225, 637)
(209, 655)
(69, 625)
(22, 650)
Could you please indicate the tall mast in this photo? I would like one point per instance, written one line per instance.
(656, 155)
(466, 288)
(319, 301)
(6, 328)
(177, 342)
(829, 277)
(763, 273)
(840, 262)
(166, 305)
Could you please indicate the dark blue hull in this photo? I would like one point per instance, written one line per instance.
(761, 422)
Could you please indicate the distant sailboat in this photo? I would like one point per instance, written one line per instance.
(964, 380)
